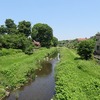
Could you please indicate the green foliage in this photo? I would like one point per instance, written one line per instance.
(16, 41)
(2, 29)
(43, 34)
(69, 43)
(55, 41)
(85, 49)
(18, 67)
(13, 36)
(61, 43)
(76, 79)
(24, 27)
(10, 23)
(29, 50)
(10, 26)
(2, 91)
(5, 52)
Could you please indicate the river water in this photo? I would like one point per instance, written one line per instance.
(42, 88)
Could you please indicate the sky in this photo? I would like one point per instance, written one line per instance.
(69, 19)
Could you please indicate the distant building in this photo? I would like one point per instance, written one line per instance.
(97, 47)
(81, 39)
(36, 43)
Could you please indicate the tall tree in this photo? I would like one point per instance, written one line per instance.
(24, 27)
(42, 33)
(2, 29)
(10, 26)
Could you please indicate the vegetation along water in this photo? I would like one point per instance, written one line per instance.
(23, 46)
(76, 79)
(42, 87)
(16, 67)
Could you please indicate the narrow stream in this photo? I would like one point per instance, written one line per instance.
(42, 88)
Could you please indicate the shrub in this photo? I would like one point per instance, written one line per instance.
(29, 50)
(85, 49)
(16, 41)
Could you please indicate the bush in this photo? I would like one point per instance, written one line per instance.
(55, 41)
(85, 49)
(16, 41)
(29, 50)
(4, 52)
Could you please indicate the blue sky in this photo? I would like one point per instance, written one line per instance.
(69, 19)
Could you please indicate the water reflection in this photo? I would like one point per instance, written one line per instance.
(46, 69)
(42, 88)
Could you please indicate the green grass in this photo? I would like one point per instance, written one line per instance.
(16, 67)
(76, 79)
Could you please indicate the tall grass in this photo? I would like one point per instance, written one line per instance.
(16, 67)
(76, 79)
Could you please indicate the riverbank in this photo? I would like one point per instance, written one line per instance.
(76, 79)
(16, 68)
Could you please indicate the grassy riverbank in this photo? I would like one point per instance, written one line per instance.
(16, 67)
(76, 79)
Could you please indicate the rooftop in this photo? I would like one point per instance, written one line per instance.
(81, 39)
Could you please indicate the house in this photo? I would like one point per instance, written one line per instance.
(81, 39)
(97, 47)
(36, 43)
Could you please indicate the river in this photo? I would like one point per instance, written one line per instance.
(42, 88)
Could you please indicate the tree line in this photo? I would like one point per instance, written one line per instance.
(84, 48)
(22, 35)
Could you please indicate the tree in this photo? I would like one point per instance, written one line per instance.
(43, 34)
(10, 26)
(55, 41)
(85, 49)
(24, 27)
(2, 29)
